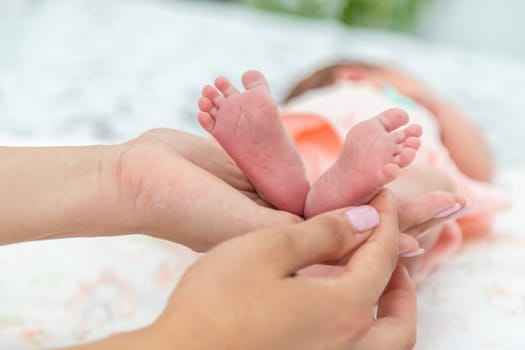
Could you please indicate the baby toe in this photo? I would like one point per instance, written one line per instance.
(406, 157)
(210, 92)
(225, 87)
(205, 104)
(206, 121)
(392, 119)
(413, 130)
(412, 142)
(254, 78)
(390, 172)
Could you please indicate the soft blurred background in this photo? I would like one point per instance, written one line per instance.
(95, 71)
(485, 25)
(99, 70)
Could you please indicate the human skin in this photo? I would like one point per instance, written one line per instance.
(371, 157)
(160, 180)
(151, 184)
(121, 189)
(248, 126)
(458, 133)
(244, 294)
(465, 141)
(413, 182)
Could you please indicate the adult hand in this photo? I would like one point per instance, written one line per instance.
(419, 214)
(166, 183)
(245, 294)
(185, 188)
(163, 170)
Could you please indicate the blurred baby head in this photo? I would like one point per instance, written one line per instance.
(378, 75)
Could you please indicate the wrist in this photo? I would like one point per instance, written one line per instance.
(99, 205)
(54, 192)
(135, 185)
(148, 178)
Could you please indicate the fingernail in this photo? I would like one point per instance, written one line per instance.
(363, 218)
(407, 244)
(448, 211)
(413, 253)
(463, 211)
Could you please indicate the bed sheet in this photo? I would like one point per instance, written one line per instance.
(84, 71)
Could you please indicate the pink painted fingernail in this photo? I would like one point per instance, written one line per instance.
(412, 254)
(363, 218)
(447, 212)
(463, 211)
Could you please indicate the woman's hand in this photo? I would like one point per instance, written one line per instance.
(244, 294)
(419, 214)
(165, 183)
(185, 188)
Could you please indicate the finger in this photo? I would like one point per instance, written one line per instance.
(217, 161)
(421, 229)
(399, 297)
(407, 243)
(371, 267)
(424, 211)
(324, 238)
(395, 327)
(451, 213)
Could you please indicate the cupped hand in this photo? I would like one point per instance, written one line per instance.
(186, 189)
(245, 293)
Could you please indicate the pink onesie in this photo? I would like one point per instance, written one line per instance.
(319, 120)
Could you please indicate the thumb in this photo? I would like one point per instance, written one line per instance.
(326, 237)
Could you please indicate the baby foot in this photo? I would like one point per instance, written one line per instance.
(248, 126)
(372, 156)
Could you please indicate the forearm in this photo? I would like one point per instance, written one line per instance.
(163, 334)
(466, 143)
(142, 339)
(54, 192)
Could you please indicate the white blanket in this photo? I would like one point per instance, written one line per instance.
(83, 71)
